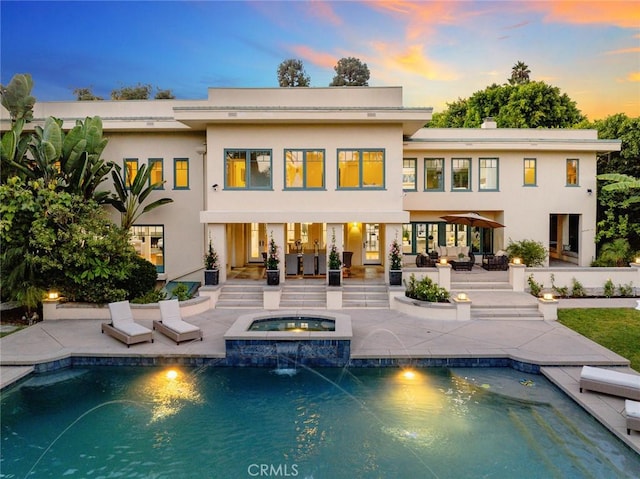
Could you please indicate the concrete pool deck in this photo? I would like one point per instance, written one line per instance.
(377, 333)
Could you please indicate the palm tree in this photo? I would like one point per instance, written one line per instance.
(128, 200)
(519, 74)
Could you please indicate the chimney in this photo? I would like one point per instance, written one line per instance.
(489, 122)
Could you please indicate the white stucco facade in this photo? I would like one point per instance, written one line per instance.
(365, 218)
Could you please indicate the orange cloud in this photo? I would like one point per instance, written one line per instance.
(323, 11)
(324, 60)
(411, 60)
(621, 13)
(633, 77)
(623, 50)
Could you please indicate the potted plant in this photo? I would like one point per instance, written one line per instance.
(273, 260)
(395, 263)
(334, 263)
(211, 272)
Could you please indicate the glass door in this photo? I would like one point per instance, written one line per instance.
(257, 242)
(371, 253)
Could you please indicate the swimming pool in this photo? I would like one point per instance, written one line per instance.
(326, 423)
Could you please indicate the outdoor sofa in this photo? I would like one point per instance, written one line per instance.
(610, 382)
(172, 324)
(495, 262)
(122, 326)
(632, 410)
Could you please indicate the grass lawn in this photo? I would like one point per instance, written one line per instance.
(616, 329)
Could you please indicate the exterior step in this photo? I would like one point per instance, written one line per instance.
(506, 312)
(361, 295)
(303, 296)
(480, 286)
(240, 296)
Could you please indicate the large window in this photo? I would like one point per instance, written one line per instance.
(461, 174)
(304, 169)
(530, 172)
(157, 173)
(130, 171)
(148, 242)
(434, 174)
(572, 172)
(488, 174)
(409, 174)
(361, 169)
(248, 169)
(180, 174)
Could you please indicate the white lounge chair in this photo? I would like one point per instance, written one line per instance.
(172, 324)
(610, 382)
(123, 327)
(632, 410)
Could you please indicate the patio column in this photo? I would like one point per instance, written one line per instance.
(217, 233)
(337, 230)
(392, 231)
(516, 276)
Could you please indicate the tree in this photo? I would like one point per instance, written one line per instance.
(291, 73)
(528, 105)
(519, 74)
(86, 94)
(350, 72)
(129, 200)
(164, 95)
(137, 92)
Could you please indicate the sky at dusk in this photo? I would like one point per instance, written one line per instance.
(437, 51)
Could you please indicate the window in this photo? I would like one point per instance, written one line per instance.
(530, 173)
(148, 241)
(460, 174)
(572, 172)
(488, 174)
(434, 174)
(157, 173)
(361, 169)
(248, 169)
(409, 174)
(304, 169)
(130, 171)
(181, 173)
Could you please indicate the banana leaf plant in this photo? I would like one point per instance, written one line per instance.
(128, 200)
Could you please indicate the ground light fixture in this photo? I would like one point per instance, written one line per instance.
(53, 295)
(462, 297)
(443, 260)
(517, 261)
(547, 297)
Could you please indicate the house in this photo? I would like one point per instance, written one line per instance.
(306, 165)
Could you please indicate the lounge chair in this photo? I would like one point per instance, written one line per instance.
(610, 382)
(632, 410)
(172, 324)
(123, 327)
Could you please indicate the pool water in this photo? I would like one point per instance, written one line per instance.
(331, 423)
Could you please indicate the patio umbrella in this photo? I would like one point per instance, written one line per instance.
(472, 219)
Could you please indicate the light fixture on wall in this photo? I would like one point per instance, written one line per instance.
(215, 187)
(201, 149)
(589, 191)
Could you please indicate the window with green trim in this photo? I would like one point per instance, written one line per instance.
(304, 169)
(530, 172)
(409, 168)
(461, 174)
(180, 173)
(130, 171)
(248, 169)
(361, 169)
(572, 172)
(488, 177)
(157, 172)
(434, 174)
(148, 241)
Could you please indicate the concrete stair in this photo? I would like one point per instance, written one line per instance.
(480, 285)
(303, 295)
(240, 296)
(497, 312)
(365, 295)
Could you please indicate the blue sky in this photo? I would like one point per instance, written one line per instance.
(438, 51)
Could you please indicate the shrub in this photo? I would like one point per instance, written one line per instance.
(152, 296)
(534, 287)
(577, 290)
(626, 289)
(141, 279)
(609, 288)
(532, 253)
(615, 253)
(562, 291)
(425, 290)
(181, 292)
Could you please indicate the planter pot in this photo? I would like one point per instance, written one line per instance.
(211, 277)
(334, 277)
(273, 277)
(395, 277)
